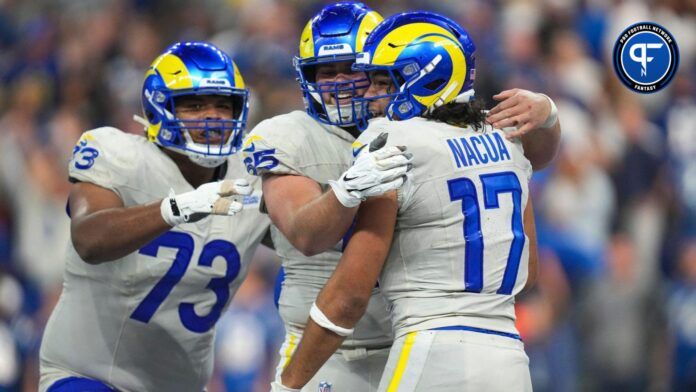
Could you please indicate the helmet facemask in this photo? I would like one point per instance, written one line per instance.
(330, 102)
(330, 40)
(206, 141)
(402, 75)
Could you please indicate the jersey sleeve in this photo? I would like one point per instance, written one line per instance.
(269, 149)
(102, 157)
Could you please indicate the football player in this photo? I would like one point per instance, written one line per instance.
(154, 257)
(458, 238)
(299, 155)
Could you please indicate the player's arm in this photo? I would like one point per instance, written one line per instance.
(343, 300)
(313, 221)
(536, 119)
(103, 229)
(530, 232)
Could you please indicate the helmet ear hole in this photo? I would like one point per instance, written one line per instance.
(238, 103)
(435, 85)
(309, 72)
(150, 115)
(400, 79)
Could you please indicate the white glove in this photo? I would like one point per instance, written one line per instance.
(276, 386)
(373, 173)
(205, 200)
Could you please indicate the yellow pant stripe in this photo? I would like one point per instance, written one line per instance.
(292, 342)
(401, 364)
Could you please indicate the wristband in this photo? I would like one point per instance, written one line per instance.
(320, 318)
(170, 211)
(553, 115)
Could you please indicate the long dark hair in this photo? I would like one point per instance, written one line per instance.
(460, 114)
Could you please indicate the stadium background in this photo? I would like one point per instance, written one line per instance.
(615, 305)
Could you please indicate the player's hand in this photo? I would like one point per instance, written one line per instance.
(523, 109)
(210, 198)
(278, 387)
(374, 172)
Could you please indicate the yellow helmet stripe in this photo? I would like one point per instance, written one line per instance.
(151, 70)
(455, 81)
(175, 75)
(172, 70)
(399, 38)
(238, 80)
(368, 23)
(307, 42)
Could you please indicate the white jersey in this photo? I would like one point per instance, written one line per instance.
(146, 322)
(296, 144)
(459, 253)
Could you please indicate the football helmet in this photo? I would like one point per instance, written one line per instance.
(335, 34)
(194, 68)
(429, 58)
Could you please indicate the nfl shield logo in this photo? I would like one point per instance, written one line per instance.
(324, 386)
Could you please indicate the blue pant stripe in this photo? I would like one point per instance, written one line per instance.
(480, 330)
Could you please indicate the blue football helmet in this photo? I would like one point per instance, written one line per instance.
(194, 68)
(335, 34)
(429, 57)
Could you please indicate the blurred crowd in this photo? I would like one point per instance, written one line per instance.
(615, 304)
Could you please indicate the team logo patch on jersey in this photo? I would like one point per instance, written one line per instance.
(646, 57)
(249, 143)
(324, 386)
(252, 199)
(357, 147)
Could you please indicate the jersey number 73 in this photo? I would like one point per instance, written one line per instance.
(183, 243)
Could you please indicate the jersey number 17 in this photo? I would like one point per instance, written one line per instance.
(494, 184)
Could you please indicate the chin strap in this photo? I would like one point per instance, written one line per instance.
(466, 96)
(141, 121)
